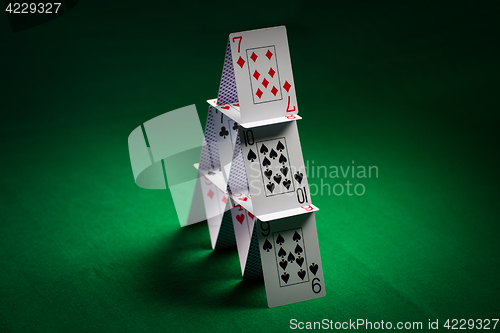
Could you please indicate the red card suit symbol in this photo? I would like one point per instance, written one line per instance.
(256, 75)
(267, 246)
(271, 72)
(307, 208)
(301, 274)
(283, 264)
(274, 91)
(259, 93)
(253, 56)
(243, 199)
(287, 86)
(240, 218)
(265, 83)
(299, 261)
(250, 215)
(285, 276)
(313, 268)
(269, 54)
(210, 194)
(225, 107)
(240, 62)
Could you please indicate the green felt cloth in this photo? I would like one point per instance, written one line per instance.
(410, 88)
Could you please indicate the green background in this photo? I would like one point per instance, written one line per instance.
(411, 87)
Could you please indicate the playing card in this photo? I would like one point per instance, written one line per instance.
(237, 185)
(226, 131)
(243, 224)
(263, 74)
(209, 158)
(215, 202)
(226, 236)
(275, 168)
(291, 261)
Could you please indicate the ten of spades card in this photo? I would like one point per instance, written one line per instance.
(275, 168)
(291, 261)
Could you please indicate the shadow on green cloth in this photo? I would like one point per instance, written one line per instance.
(186, 271)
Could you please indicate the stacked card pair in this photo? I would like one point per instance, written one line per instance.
(251, 170)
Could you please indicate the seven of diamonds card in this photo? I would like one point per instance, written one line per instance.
(291, 261)
(274, 167)
(263, 74)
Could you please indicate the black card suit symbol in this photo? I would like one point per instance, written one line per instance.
(223, 132)
(251, 155)
(267, 246)
(273, 154)
(263, 149)
(211, 173)
(235, 126)
(301, 274)
(313, 268)
(266, 162)
(268, 173)
(280, 146)
(270, 187)
(285, 276)
(282, 159)
(282, 253)
(298, 250)
(299, 261)
(287, 183)
(277, 178)
(284, 170)
(291, 257)
(280, 240)
(283, 264)
(298, 177)
(296, 236)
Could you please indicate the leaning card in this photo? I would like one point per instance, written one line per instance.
(263, 74)
(275, 168)
(243, 224)
(291, 261)
(226, 131)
